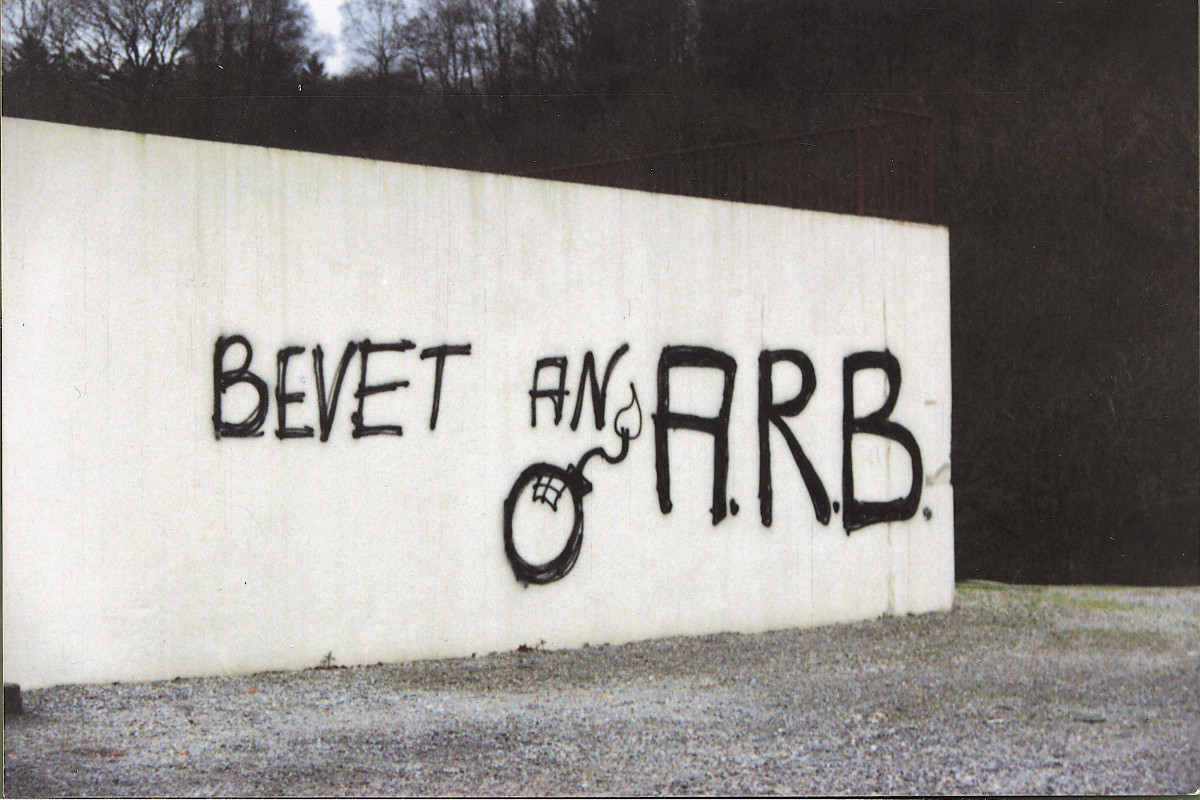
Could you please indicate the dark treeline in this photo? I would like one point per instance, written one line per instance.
(1065, 168)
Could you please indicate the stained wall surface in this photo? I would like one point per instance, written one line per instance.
(162, 516)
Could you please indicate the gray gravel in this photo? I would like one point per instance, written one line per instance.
(1022, 690)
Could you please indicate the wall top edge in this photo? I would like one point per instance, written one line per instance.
(700, 202)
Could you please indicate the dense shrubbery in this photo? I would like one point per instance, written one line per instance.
(1066, 170)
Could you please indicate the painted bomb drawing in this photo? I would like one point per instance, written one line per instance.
(546, 505)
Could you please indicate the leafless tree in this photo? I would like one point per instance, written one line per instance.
(444, 37)
(373, 34)
(499, 23)
(46, 31)
(130, 41)
(249, 47)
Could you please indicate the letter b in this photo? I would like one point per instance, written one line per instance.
(223, 379)
(861, 513)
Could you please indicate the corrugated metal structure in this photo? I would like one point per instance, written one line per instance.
(878, 167)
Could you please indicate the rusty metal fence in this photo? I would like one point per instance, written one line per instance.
(879, 166)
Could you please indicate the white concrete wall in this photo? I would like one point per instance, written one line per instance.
(138, 545)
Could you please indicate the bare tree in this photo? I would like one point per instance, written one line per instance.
(499, 24)
(40, 32)
(373, 34)
(278, 41)
(551, 37)
(446, 39)
(131, 42)
(247, 47)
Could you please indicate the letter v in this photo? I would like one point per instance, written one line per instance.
(327, 405)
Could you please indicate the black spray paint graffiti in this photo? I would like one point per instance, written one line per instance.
(557, 395)
(771, 413)
(327, 401)
(551, 485)
(666, 420)
(548, 483)
(858, 513)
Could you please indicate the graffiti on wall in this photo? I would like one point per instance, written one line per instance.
(548, 483)
(560, 491)
(224, 378)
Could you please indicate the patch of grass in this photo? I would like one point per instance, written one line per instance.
(1097, 604)
(1113, 639)
(982, 586)
(996, 586)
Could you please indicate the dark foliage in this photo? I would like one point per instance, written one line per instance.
(1065, 169)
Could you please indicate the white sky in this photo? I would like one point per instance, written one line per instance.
(329, 21)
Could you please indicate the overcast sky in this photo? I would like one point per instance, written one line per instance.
(328, 21)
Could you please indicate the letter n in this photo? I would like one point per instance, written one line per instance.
(599, 389)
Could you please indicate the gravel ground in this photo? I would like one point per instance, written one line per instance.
(1019, 690)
